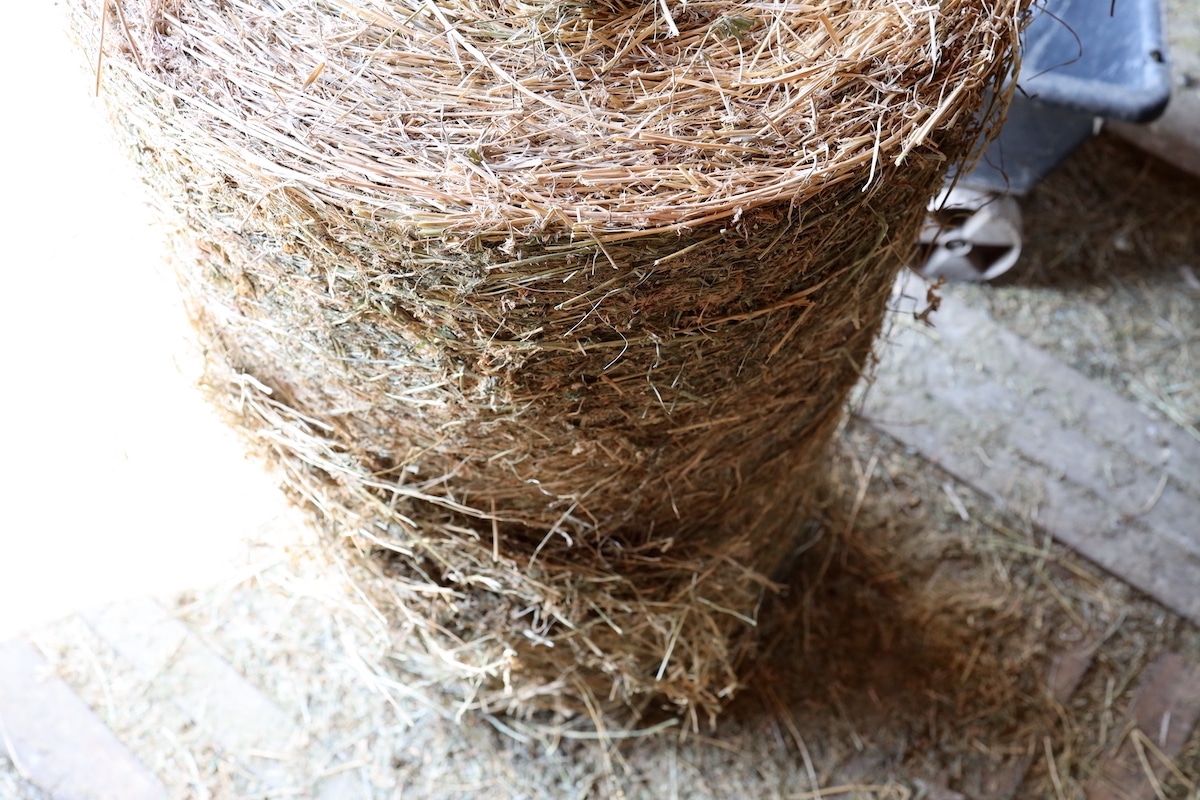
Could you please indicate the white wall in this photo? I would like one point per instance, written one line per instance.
(115, 478)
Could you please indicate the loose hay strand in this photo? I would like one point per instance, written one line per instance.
(547, 311)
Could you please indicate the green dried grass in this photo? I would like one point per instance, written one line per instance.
(550, 310)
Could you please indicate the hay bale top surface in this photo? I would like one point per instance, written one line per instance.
(614, 120)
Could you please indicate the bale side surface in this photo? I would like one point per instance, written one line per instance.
(550, 310)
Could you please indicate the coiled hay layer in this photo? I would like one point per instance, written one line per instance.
(550, 309)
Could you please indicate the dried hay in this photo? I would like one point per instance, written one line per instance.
(550, 309)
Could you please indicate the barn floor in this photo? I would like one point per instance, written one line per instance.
(1007, 606)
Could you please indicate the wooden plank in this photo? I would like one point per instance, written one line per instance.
(1065, 672)
(984, 348)
(1037, 436)
(1163, 714)
(55, 739)
(250, 727)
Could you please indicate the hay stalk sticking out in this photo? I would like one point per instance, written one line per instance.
(550, 308)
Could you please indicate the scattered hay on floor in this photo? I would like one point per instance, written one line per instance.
(549, 310)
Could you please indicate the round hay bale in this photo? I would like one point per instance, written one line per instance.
(550, 309)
